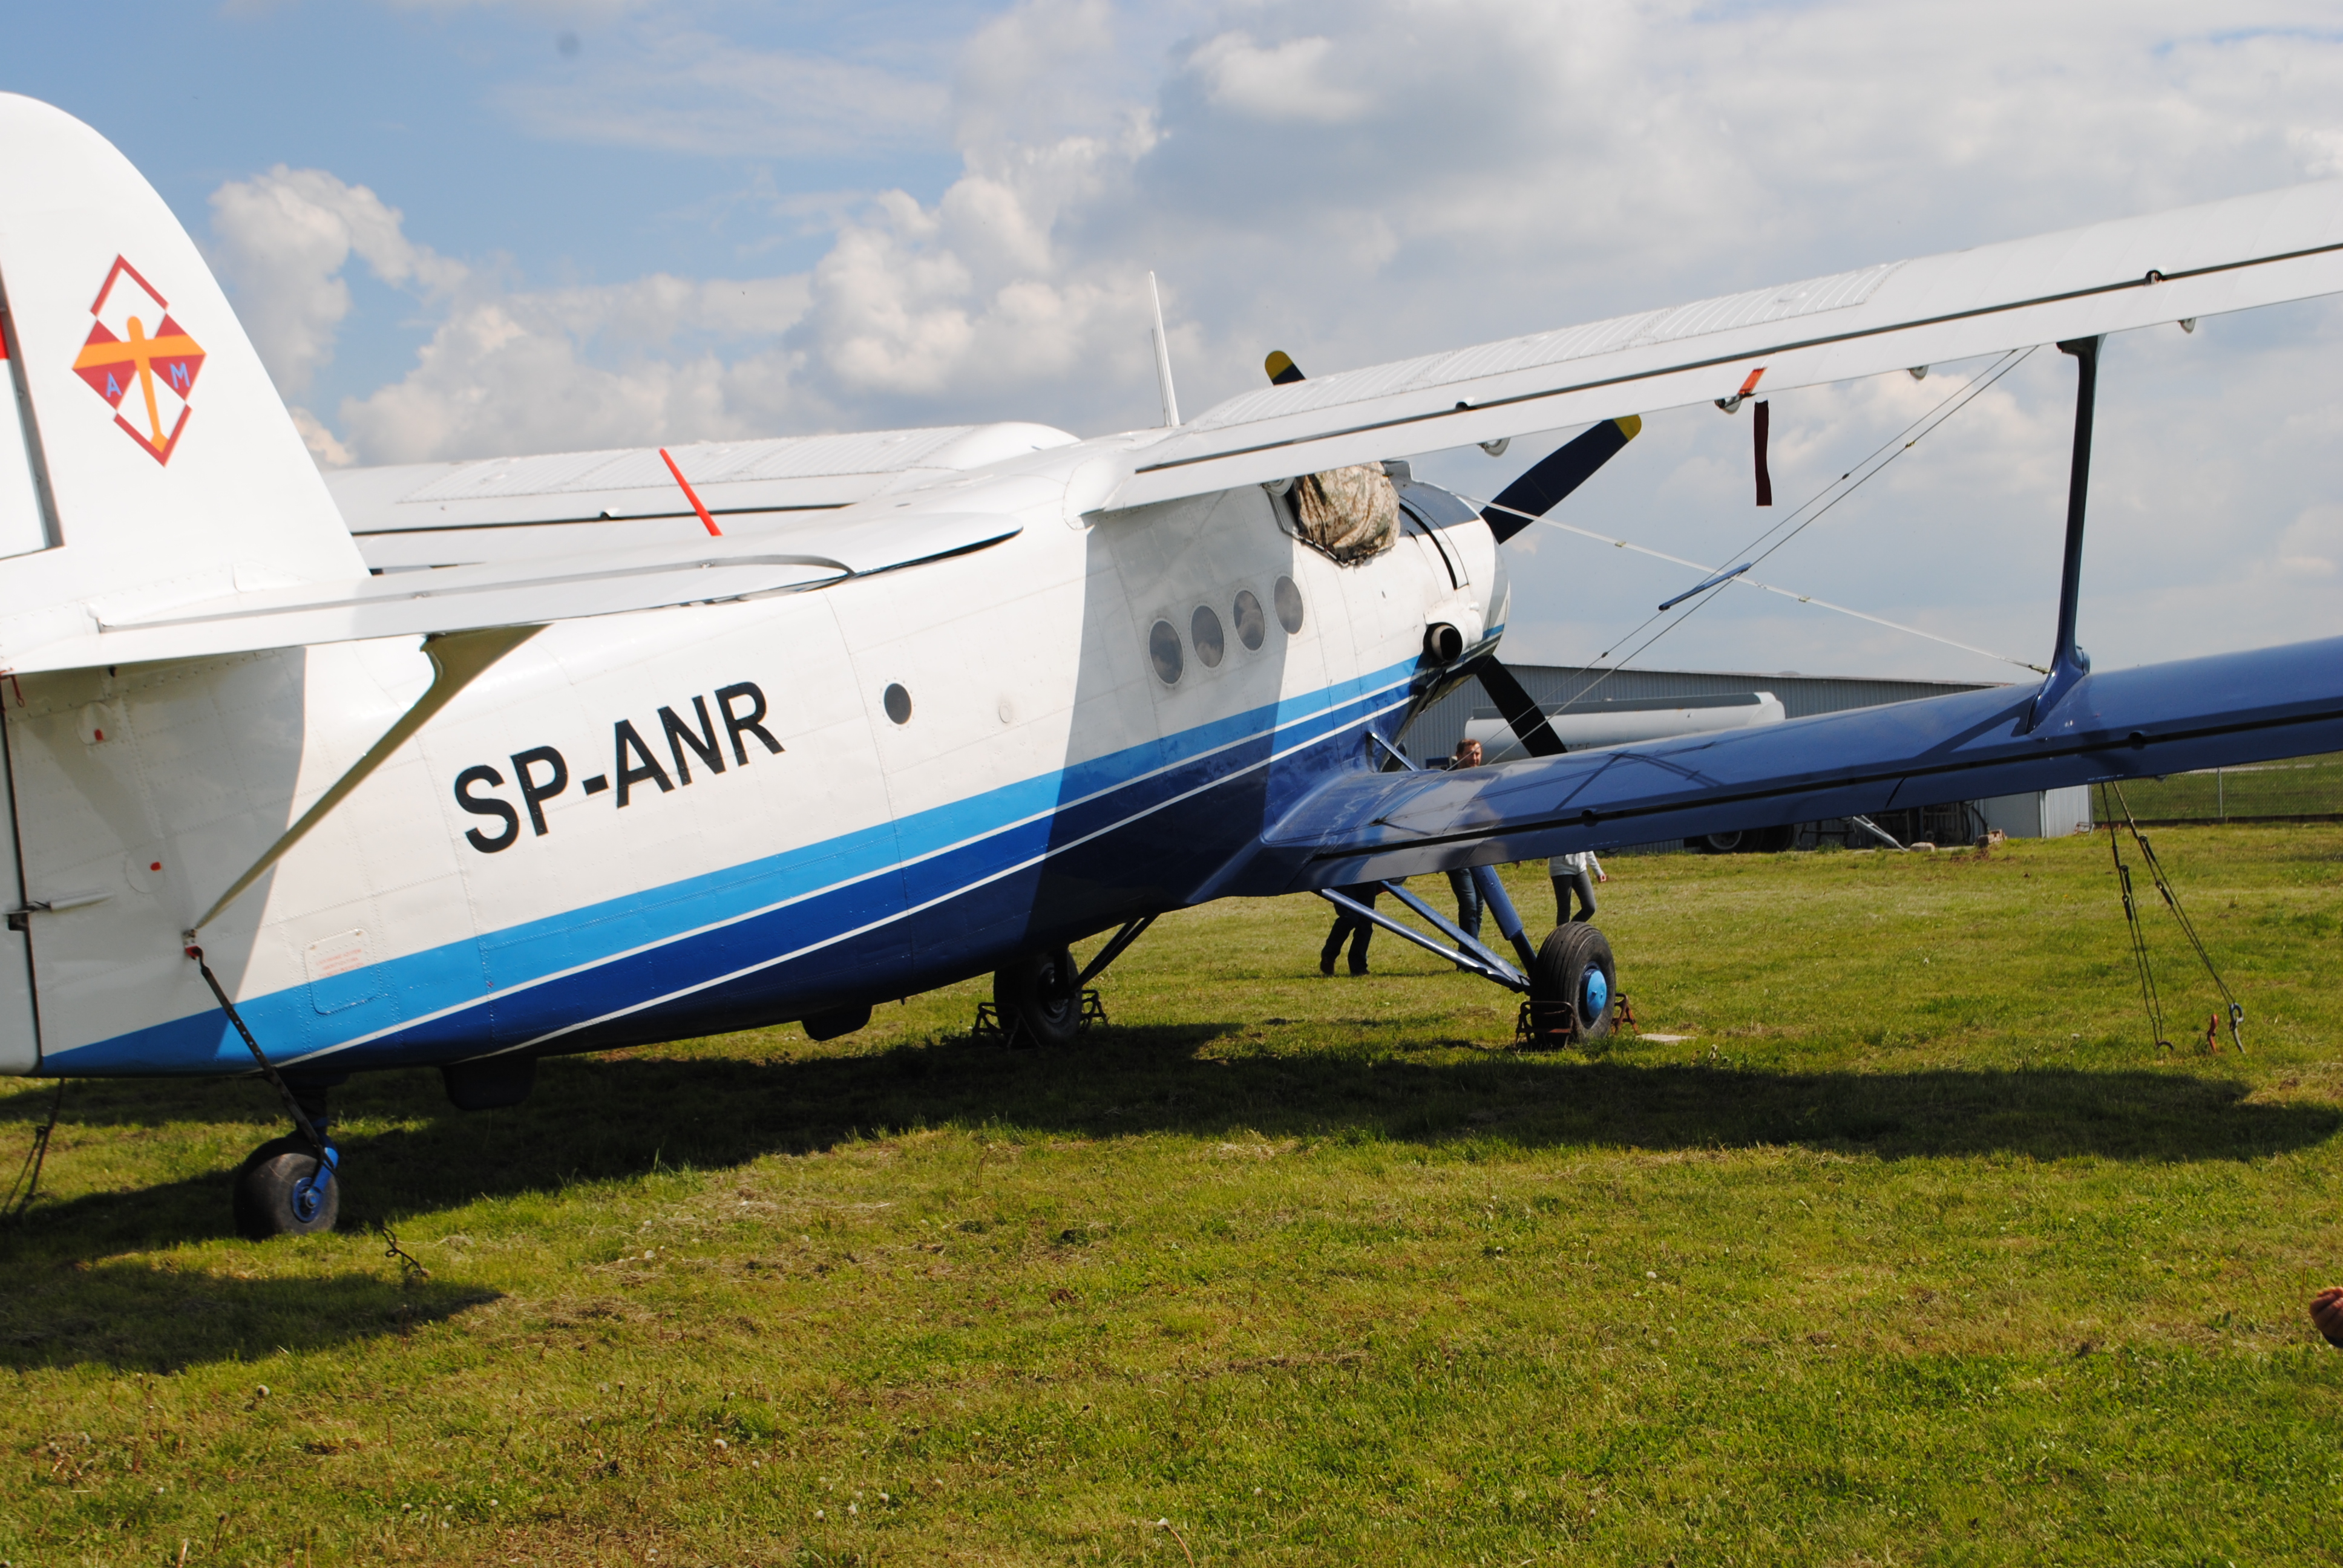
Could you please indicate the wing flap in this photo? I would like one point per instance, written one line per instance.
(2105, 277)
(2224, 710)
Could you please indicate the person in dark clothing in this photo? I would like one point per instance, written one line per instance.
(1575, 874)
(1347, 924)
(1461, 883)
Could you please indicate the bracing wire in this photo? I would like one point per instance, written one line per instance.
(1811, 510)
(2236, 1010)
(1789, 593)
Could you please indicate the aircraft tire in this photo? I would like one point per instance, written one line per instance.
(272, 1193)
(1572, 985)
(1038, 1002)
(1727, 843)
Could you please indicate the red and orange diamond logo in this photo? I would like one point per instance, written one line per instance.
(123, 353)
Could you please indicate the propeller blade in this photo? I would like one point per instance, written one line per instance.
(1283, 370)
(1521, 710)
(1554, 475)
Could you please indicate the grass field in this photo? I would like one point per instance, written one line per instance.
(1915, 1251)
(2298, 787)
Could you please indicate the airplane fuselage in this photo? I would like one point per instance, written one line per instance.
(666, 824)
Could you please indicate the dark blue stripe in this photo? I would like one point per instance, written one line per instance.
(958, 858)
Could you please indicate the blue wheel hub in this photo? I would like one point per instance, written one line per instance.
(1593, 994)
(309, 1191)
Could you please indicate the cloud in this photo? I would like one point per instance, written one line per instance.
(693, 92)
(1362, 181)
(569, 369)
(279, 243)
(1287, 82)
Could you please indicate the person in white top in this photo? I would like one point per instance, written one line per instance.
(1577, 873)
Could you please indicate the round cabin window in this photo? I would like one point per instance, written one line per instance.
(899, 704)
(1251, 626)
(1163, 648)
(1289, 606)
(1204, 630)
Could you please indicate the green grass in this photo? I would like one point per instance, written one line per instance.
(1914, 1250)
(2301, 787)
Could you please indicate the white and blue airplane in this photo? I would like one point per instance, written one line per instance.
(792, 727)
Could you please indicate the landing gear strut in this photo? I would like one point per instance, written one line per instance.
(287, 1186)
(282, 1189)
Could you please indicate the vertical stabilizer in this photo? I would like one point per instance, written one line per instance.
(149, 460)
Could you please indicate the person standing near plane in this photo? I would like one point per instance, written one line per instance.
(1577, 873)
(1468, 895)
(1357, 928)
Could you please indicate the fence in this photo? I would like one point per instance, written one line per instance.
(2304, 789)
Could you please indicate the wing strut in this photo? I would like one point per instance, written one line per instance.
(2068, 662)
(458, 659)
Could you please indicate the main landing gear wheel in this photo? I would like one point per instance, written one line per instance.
(1038, 1002)
(281, 1193)
(1572, 985)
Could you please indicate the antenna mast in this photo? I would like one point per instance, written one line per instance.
(1162, 358)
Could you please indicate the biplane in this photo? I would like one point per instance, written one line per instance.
(464, 765)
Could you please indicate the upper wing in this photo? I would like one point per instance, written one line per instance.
(2106, 277)
(2123, 724)
(519, 509)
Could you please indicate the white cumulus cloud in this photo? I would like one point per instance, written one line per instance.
(280, 242)
(1362, 181)
(1285, 82)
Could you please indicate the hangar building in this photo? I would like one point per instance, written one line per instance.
(2047, 813)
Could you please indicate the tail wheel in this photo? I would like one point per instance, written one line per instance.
(1572, 985)
(281, 1193)
(1038, 1002)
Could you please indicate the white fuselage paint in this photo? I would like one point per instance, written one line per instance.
(1034, 710)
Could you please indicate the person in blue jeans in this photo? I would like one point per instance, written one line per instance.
(1468, 895)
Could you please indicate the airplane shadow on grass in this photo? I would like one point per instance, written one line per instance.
(599, 1119)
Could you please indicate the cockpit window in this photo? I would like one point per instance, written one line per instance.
(1163, 650)
(1252, 625)
(1204, 631)
(1289, 606)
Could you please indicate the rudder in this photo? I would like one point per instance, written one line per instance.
(158, 465)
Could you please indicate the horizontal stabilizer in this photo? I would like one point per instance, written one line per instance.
(807, 554)
(2106, 277)
(2160, 719)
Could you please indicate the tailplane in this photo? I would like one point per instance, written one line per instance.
(145, 458)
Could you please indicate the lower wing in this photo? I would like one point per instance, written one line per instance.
(2159, 718)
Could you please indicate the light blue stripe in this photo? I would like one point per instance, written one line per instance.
(452, 976)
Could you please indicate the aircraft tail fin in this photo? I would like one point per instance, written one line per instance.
(145, 458)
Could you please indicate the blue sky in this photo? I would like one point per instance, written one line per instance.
(456, 229)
